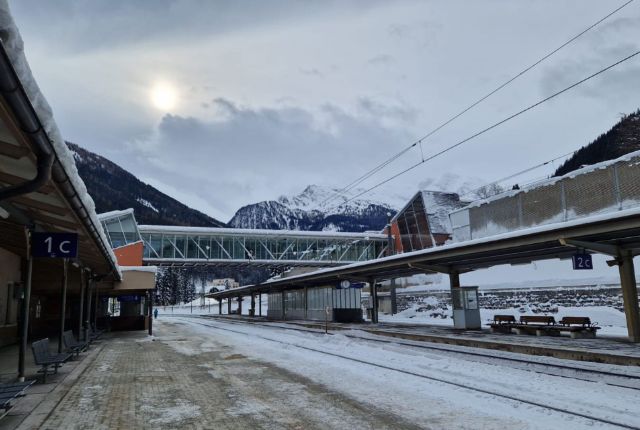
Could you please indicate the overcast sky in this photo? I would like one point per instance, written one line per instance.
(273, 95)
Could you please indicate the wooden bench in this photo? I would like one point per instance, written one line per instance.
(535, 324)
(10, 392)
(502, 323)
(43, 357)
(578, 327)
(72, 345)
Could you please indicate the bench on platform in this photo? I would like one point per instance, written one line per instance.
(72, 345)
(43, 357)
(10, 392)
(502, 323)
(578, 327)
(545, 325)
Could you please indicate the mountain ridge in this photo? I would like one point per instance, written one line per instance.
(114, 188)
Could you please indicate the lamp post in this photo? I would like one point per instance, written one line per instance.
(392, 287)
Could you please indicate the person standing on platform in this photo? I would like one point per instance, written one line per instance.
(155, 314)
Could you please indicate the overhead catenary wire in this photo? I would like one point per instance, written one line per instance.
(515, 175)
(419, 141)
(494, 125)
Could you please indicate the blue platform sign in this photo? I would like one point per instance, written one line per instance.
(54, 245)
(582, 262)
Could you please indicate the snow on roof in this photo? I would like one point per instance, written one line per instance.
(438, 205)
(551, 181)
(256, 232)
(150, 269)
(14, 46)
(115, 214)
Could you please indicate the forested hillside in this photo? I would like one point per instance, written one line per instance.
(624, 137)
(113, 188)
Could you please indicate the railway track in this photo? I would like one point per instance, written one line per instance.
(584, 373)
(429, 377)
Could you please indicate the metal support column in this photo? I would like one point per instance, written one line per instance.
(454, 280)
(260, 304)
(219, 306)
(374, 301)
(284, 310)
(83, 281)
(253, 305)
(24, 314)
(240, 305)
(228, 305)
(394, 300)
(150, 299)
(87, 317)
(63, 301)
(95, 310)
(629, 294)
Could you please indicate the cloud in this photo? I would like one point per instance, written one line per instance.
(380, 60)
(249, 154)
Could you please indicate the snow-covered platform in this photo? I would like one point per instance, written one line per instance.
(604, 349)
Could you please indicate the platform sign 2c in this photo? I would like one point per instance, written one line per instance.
(54, 245)
(582, 262)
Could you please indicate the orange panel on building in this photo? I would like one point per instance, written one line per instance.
(130, 255)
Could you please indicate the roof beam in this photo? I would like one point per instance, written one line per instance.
(13, 151)
(601, 248)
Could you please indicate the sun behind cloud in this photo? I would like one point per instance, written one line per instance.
(164, 96)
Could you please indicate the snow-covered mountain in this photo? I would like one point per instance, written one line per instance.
(319, 208)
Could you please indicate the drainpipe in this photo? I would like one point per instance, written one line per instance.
(15, 95)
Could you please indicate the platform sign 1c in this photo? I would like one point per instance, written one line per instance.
(54, 245)
(582, 262)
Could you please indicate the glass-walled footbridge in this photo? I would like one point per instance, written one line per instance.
(173, 245)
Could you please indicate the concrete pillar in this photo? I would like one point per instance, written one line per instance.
(240, 305)
(63, 301)
(253, 305)
(630, 295)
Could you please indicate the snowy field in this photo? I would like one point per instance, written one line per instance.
(427, 388)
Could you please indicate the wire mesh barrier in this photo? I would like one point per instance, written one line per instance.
(603, 188)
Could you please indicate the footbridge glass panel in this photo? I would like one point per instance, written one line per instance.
(184, 244)
(120, 227)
